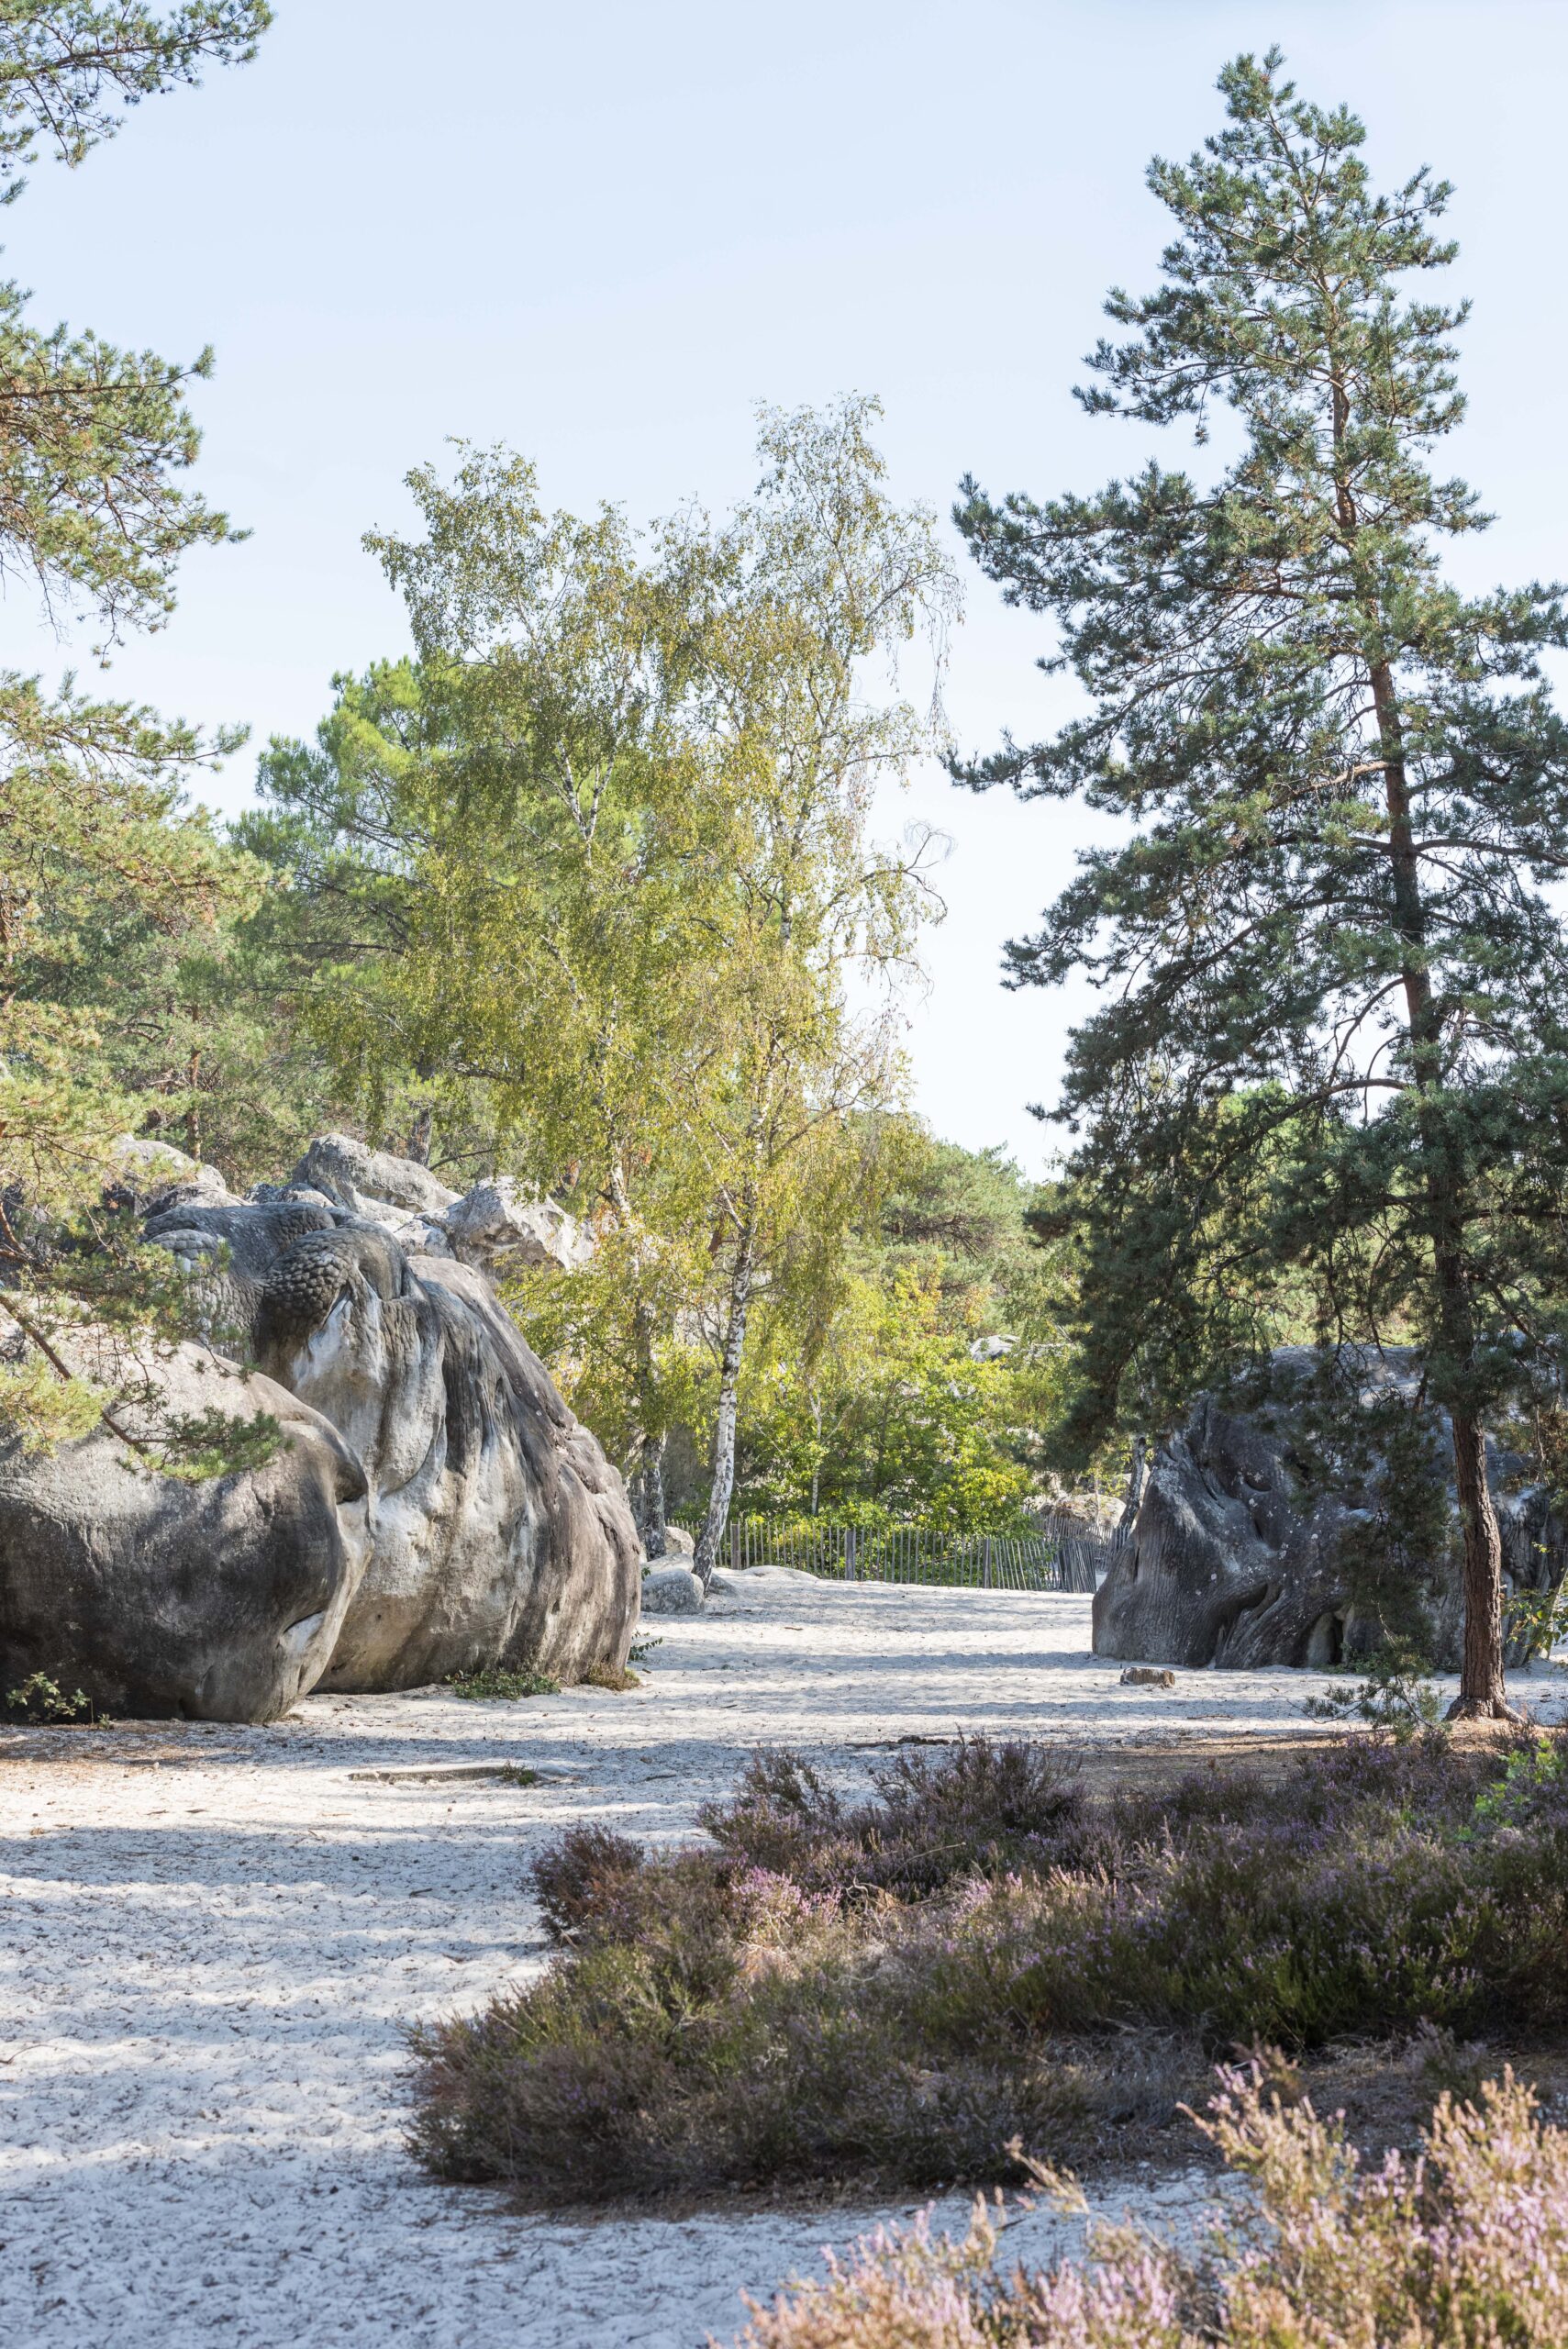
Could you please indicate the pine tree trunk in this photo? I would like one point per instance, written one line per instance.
(194, 1114)
(1480, 1688)
(717, 1516)
(1482, 1695)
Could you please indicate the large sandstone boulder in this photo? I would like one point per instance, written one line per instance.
(498, 1531)
(218, 1600)
(433, 1508)
(1252, 1547)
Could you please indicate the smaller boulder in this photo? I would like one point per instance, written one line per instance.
(352, 1172)
(672, 1590)
(496, 1223)
(1147, 1676)
(155, 1176)
(678, 1543)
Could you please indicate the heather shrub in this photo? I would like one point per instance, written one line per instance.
(977, 1809)
(1465, 2247)
(899, 1987)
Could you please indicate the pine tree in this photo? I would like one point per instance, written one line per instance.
(95, 845)
(1334, 1052)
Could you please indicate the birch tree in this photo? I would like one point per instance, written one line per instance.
(818, 580)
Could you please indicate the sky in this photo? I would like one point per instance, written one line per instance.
(602, 232)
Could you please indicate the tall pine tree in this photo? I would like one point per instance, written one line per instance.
(1335, 1048)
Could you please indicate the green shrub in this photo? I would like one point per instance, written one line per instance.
(481, 1686)
(39, 1699)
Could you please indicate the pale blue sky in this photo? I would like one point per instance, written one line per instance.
(601, 232)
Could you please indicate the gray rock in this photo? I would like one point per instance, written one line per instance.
(221, 1600)
(1245, 1549)
(346, 1170)
(500, 1533)
(678, 1543)
(672, 1590)
(155, 1175)
(497, 1223)
(489, 1529)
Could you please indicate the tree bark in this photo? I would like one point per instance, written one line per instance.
(1481, 1686)
(648, 1499)
(1134, 1488)
(717, 1516)
(193, 1113)
(1482, 1694)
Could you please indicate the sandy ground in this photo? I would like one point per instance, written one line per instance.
(213, 1939)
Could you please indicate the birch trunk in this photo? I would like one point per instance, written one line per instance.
(739, 1302)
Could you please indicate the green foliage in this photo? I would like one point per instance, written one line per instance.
(112, 892)
(1531, 1771)
(912, 1373)
(592, 873)
(200, 1444)
(39, 1699)
(63, 63)
(1396, 1696)
(914, 1431)
(42, 1408)
(1539, 1618)
(485, 1685)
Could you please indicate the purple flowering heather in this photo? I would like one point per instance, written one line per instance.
(1465, 2247)
(896, 1989)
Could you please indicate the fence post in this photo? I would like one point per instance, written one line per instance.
(986, 1566)
(850, 1553)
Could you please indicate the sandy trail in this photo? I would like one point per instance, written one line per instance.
(213, 1938)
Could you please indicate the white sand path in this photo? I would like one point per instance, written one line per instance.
(210, 1960)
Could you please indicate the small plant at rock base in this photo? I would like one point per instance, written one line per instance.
(487, 1685)
(618, 1679)
(39, 1699)
(1397, 1697)
(640, 1650)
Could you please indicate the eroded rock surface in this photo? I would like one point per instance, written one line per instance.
(1249, 1550)
(497, 1224)
(218, 1601)
(500, 1532)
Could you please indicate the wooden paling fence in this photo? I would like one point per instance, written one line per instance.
(1059, 1556)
